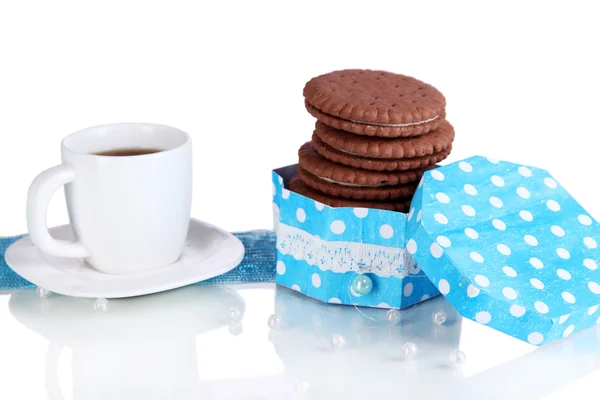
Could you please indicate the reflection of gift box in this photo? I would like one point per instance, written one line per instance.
(505, 243)
(321, 251)
(357, 368)
(367, 326)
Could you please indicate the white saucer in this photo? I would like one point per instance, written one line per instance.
(209, 252)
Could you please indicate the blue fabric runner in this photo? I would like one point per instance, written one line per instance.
(258, 265)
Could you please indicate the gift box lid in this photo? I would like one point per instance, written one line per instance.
(508, 247)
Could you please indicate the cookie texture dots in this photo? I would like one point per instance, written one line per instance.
(376, 134)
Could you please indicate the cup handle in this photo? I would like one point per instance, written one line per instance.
(41, 190)
(53, 389)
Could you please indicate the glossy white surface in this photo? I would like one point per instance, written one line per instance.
(521, 81)
(209, 251)
(129, 213)
(182, 344)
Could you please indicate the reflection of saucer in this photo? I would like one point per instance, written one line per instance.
(141, 348)
(193, 309)
(209, 252)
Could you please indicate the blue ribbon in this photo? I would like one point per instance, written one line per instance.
(258, 265)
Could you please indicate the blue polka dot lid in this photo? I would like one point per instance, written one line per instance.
(509, 248)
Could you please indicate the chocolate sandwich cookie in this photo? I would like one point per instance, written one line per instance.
(342, 181)
(298, 186)
(375, 103)
(378, 164)
(375, 147)
(357, 192)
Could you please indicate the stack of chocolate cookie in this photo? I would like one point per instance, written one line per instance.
(376, 134)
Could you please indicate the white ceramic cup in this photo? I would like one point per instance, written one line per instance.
(128, 213)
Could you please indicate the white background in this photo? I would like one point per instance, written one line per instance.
(521, 82)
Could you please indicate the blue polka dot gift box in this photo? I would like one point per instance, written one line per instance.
(508, 247)
(353, 256)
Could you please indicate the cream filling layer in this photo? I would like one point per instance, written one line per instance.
(396, 125)
(352, 184)
(348, 152)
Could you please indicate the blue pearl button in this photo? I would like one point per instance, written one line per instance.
(362, 285)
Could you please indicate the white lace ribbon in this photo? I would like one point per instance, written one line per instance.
(342, 257)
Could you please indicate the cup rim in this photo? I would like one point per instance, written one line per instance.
(67, 141)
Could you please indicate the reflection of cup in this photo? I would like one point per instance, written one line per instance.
(143, 347)
(128, 189)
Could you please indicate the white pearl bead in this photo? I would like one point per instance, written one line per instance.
(457, 357)
(438, 317)
(274, 322)
(393, 316)
(409, 350)
(101, 305)
(234, 314)
(41, 292)
(338, 341)
(235, 328)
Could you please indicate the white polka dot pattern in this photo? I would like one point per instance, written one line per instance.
(535, 338)
(444, 287)
(472, 233)
(465, 166)
(526, 172)
(320, 249)
(444, 241)
(436, 250)
(442, 198)
(280, 267)
(499, 224)
(472, 291)
(300, 215)
(526, 215)
(361, 212)
(437, 175)
(515, 246)
(470, 189)
(411, 246)
(483, 317)
(496, 202)
(338, 227)
(517, 310)
(386, 231)
(316, 280)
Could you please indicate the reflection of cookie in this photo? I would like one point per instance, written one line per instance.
(378, 164)
(323, 168)
(375, 103)
(357, 192)
(298, 186)
(375, 147)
